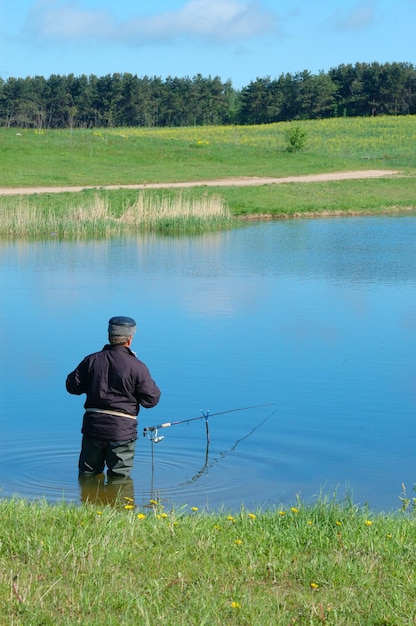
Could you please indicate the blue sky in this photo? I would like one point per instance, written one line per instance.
(238, 40)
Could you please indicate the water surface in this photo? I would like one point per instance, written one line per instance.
(314, 318)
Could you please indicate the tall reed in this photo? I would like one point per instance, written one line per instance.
(23, 217)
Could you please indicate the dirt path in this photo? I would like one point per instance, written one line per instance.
(243, 181)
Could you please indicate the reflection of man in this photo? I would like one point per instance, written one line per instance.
(115, 491)
(116, 384)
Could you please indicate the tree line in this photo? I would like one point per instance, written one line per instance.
(69, 101)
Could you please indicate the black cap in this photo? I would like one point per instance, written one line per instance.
(121, 326)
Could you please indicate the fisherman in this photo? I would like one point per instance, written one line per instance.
(116, 384)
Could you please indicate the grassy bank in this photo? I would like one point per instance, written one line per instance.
(326, 563)
(141, 155)
(93, 213)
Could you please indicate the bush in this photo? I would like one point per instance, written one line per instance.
(295, 139)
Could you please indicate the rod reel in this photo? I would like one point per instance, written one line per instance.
(153, 436)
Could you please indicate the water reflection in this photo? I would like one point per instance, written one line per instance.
(102, 490)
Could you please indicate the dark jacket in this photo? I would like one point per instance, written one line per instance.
(115, 380)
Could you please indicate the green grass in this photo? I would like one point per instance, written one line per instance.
(326, 563)
(144, 155)
(347, 196)
(132, 155)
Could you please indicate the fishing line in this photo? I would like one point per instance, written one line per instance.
(153, 435)
(223, 454)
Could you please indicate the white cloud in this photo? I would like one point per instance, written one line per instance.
(51, 20)
(360, 17)
(212, 20)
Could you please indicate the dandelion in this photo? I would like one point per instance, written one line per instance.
(368, 522)
(99, 512)
(251, 516)
(154, 502)
(194, 508)
(128, 507)
(230, 518)
(141, 515)
(294, 509)
(164, 515)
(338, 524)
(282, 513)
(217, 527)
(128, 499)
(238, 542)
(235, 605)
(314, 586)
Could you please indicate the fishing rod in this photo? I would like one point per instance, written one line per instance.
(152, 431)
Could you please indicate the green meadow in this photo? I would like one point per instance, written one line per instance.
(123, 156)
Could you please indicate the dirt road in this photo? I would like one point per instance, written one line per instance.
(244, 181)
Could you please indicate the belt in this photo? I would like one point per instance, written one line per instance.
(110, 412)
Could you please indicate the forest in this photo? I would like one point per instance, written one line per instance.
(124, 99)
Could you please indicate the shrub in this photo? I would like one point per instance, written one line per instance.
(295, 139)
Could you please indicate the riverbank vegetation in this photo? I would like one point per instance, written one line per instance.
(128, 156)
(94, 216)
(325, 563)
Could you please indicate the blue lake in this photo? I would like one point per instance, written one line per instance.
(316, 319)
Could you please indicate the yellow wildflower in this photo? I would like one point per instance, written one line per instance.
(141, 515)
(368, 522)
(294, 509)
(314, 586)
(238, 542)
(252, 516)
(128, 507)
(194, 508)
(235, 605)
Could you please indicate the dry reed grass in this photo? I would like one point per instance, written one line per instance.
(96, 217)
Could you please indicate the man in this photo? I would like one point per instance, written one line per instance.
(116, 383)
